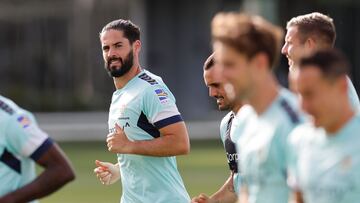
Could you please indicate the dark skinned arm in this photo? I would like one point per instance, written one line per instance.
(57, 172)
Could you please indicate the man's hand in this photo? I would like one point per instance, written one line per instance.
(118, 142)
(202, 198)
(107, 173)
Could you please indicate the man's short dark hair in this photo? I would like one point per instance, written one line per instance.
(130, 30)
(248, 34)
(315, 25)
(209, 63)
(331, 62)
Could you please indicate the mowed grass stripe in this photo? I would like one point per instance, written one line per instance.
(203, 170)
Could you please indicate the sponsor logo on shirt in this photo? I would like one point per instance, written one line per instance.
(232, 157)
(161, 94)
(24, 121)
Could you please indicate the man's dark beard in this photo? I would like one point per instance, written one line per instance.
(126, 65)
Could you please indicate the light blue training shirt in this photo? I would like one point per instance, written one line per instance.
(142, 107)
(328, 166)
(22, 142)
(262, 150)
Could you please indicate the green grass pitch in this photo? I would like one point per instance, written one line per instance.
(203, 170)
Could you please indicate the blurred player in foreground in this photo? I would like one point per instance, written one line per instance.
(328, 165)
(146, 129)
(22, 144)
(247, 48)
(306, 34)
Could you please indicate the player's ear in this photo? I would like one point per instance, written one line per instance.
(342, 84)
(137, 46)
(310, 43)
(261, 61)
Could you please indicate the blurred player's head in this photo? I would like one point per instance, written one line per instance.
(305, 34)
(120, 41)
(322, 85)
(213, 80)
(246, 47)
